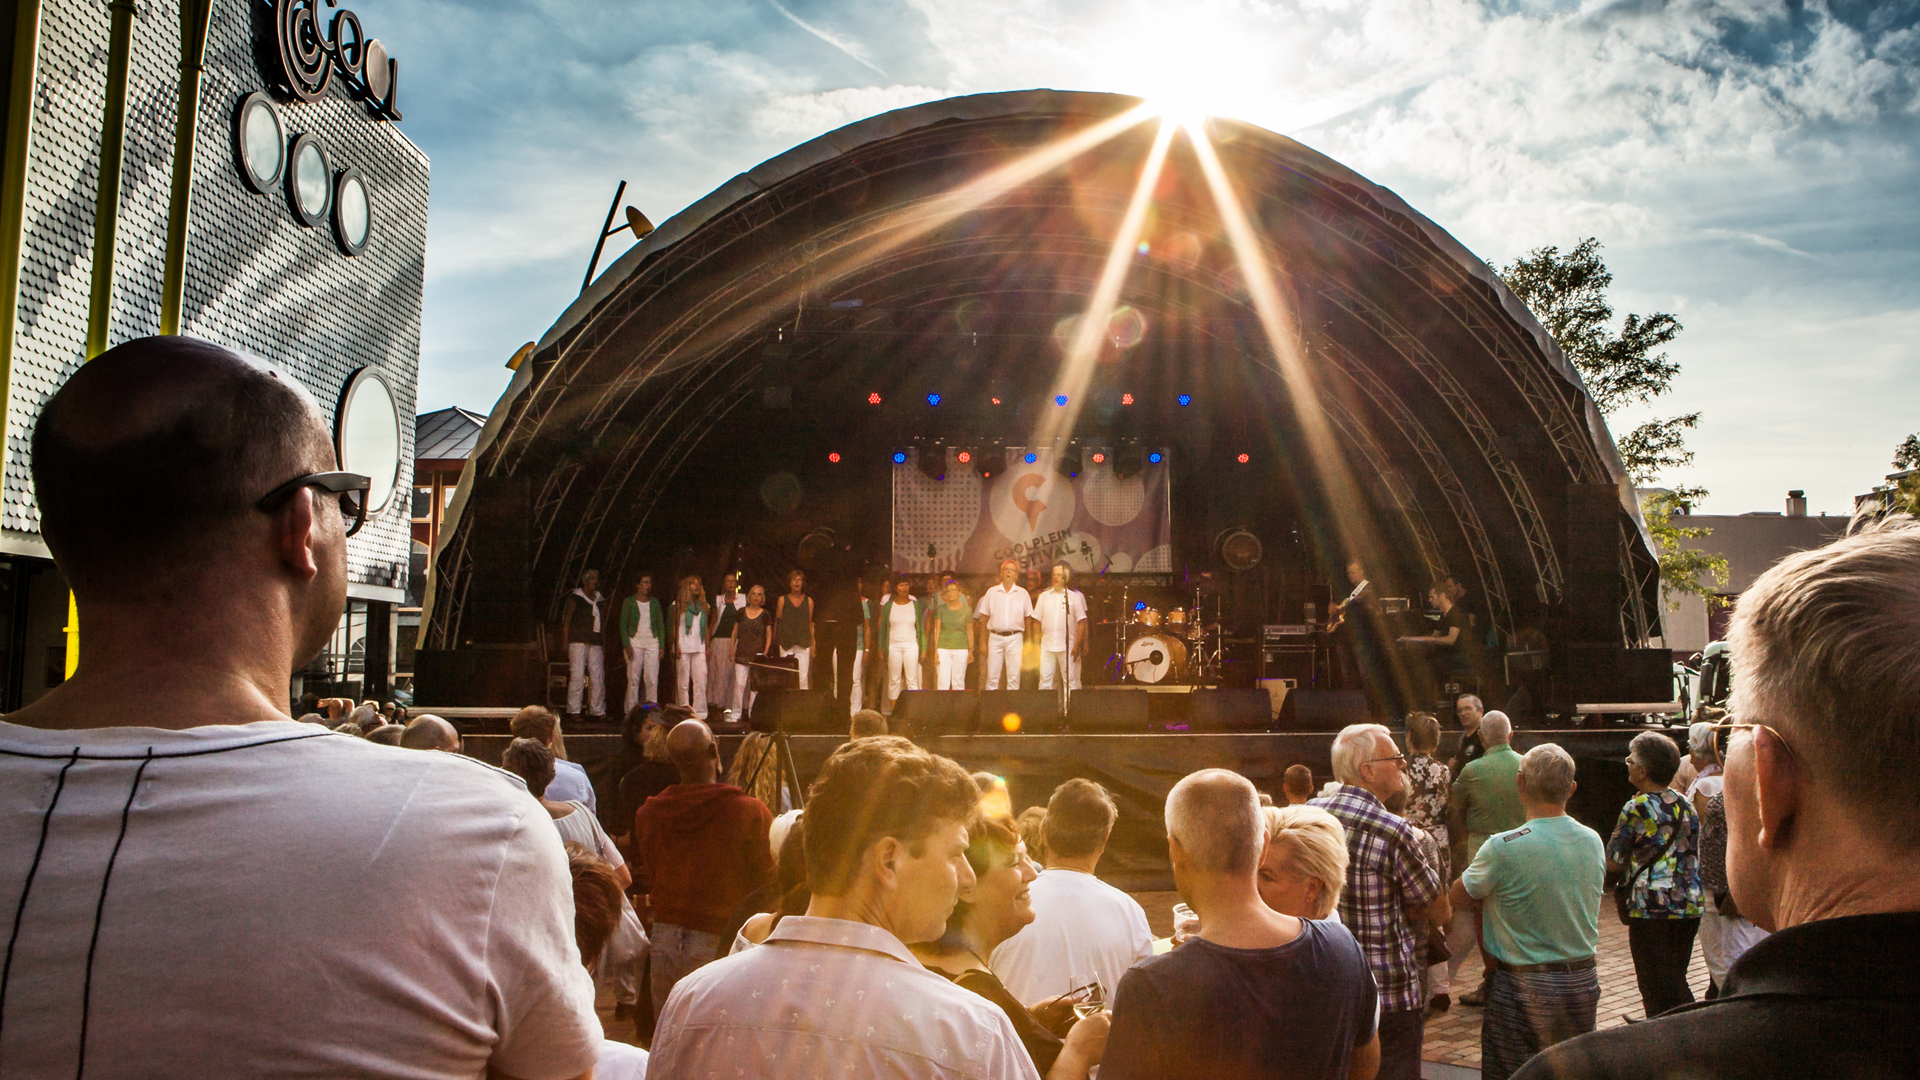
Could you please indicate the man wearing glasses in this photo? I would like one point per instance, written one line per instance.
(1823, 834)
(176, 872)
(1389, 885)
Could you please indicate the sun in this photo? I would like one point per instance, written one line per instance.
(1187, 66)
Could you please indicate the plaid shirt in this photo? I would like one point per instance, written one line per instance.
(1385, 872)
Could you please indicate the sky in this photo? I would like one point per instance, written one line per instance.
(1751, 167)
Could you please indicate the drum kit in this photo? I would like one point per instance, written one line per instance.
(1166, 647)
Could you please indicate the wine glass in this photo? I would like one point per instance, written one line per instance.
(1093, 1002)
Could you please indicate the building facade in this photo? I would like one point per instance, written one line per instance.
(1751, 543)
(305, 247)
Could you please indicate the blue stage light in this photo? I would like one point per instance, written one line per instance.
(1184, 400)
(899, 457)
(1031, 458)
(1060, 399)
(1154, 458)
(1139, 605)
(933, 399)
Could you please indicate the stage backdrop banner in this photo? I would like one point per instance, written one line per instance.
(1029, 512)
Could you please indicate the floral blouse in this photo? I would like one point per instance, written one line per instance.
(1671, 889)
(1431, 783)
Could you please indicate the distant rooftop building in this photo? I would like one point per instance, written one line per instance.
(1752, 543)
(446, 436)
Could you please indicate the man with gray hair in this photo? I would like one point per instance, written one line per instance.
(1294, 993)
(1823, 848)
(1389, 885)
(1538, 888)
(1484, 801)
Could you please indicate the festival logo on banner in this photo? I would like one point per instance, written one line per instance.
(1031, 513)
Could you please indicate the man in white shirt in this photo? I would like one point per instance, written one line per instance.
(1081, 925)
(1060, 614)
(180, 884)
(570, 783)
(835, 992)
(1005, 609)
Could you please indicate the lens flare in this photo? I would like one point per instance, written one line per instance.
(1010, 723)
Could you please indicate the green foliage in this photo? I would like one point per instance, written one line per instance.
(1567, 292)
(1907, 454)
(1683, 572)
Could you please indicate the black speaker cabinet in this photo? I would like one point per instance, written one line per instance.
(1037, 711)
(796, 712)
(506, 676)
(1232, 710)
(925, 714)
(1323, 710)
(1108, 712)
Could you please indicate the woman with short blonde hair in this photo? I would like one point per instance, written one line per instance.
(1304, 866)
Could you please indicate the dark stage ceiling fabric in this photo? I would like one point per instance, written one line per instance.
(1424, 417)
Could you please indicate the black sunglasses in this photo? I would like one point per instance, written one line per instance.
(351, 487)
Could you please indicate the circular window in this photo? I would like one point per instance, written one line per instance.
(367, 435)
(352, 212)
(261, 140)
(309, 180)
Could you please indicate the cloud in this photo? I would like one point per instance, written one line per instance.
(807, 115)
(851, 48)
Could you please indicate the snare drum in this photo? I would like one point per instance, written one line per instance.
(1147, 617)
(1177, 619)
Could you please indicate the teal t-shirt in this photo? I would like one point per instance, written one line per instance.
(1489, 793)
(1541, 884)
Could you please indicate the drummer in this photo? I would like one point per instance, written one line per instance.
(1060, 617)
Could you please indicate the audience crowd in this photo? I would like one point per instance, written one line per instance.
(901, 920)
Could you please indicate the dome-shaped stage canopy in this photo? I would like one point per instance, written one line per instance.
(1323, 367)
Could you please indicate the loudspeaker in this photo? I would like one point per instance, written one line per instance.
(1598, 674)
(926, 714)
(796, 712)
(497, 677)
(1107, 712)
(499, 607)
(1595, 588)
(1323, 710)
(1037, 711)
(1232, 710)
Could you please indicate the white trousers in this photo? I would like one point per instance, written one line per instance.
(720, 672)
(1723, 940)
(1003, 655)
(858, 693)
(587, 667)
(742, 695)
(1073, 676)
(903, 667)
(953, 669)
(643, 672)
(1053, 670)
(690, 681)
(806, 657)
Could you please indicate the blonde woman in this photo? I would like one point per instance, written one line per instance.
(688, 628)
(1304, 866)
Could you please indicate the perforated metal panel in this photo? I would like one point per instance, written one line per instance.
(256, 280)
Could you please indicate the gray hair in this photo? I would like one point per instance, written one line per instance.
(365, 717)
(1215, 816)
(1549, 773)
(1700, 739)
(1495, 729)
(1351, 749)
(1657, 754)
(1312, 844)
(1824, 646)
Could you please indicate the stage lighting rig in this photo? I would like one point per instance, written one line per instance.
(1067, 462)
(933, 460)
(1127, 462)
(986, 460)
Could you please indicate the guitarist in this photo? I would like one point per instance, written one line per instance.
(1354, 629)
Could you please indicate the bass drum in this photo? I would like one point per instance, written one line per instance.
(1154, 659)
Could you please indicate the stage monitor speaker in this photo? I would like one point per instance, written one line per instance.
(1598, 674)
(1038, 711)
(1232, 710)
(1323, 710)
(926, 714)
(796, 712)
(1107, 712)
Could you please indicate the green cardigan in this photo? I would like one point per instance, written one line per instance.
(630, 620)
(883, 629)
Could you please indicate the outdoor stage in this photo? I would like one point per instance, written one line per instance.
(1140, 769)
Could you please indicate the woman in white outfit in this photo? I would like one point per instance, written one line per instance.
(688, 628)
(903, 621)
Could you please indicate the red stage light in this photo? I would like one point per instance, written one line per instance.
(873, 399)
(1244, 458)
(1126, 399)
(996, 401)
(1099, 459)
(834, 457)
(964, 457)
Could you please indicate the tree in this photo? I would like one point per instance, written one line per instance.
(1907, 454)
(1568, 294)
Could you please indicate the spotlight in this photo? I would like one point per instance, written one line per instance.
(1126, 461)
(874, 399)
(1153, 458)
(899, 457)
(834, 457)
(1067, 463)
(1031, 457)
(964, 457)
(996, 401)
(1099, 458)
(1126, 399)
(1060, 399)
(1244, 458)
(933, 460)
(1184, 400)
(933, 399)
(985, 459)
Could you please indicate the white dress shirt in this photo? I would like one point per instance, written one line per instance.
(1059, 614)
(830, 997)
(1082, 927)
(1006, 608)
